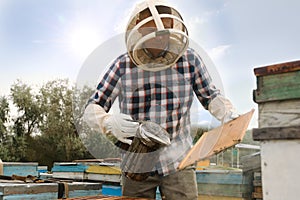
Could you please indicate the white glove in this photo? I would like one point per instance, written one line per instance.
(222, 109)
(120, 125)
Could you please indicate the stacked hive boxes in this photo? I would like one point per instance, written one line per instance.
(278, 99)
(257, 186)
(19, 180)
(223, 184)
(251, 166)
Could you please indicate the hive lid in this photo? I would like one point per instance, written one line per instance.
(277, 68)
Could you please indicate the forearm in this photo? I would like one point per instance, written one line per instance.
(118, 125)
(94, 116)
(222, 109)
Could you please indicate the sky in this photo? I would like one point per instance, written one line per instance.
(50, 39)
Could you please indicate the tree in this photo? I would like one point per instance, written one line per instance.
(48, 125)
(29, 112)
(44, 126)
(59, 139)
(4, 110)
(96, 143)
(12, 147)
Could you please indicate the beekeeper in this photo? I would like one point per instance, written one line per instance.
(155, 80)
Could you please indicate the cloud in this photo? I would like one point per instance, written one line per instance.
(37, 41)
(219, 52)
(194, 21)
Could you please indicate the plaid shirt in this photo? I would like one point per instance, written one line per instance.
(164, 97)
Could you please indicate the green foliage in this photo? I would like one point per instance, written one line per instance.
(4, 110)
(96, 143)
(13, 148)
(197, 132)
(28, 109)
(43, 129)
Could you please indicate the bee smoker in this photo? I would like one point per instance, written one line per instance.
(143, 153)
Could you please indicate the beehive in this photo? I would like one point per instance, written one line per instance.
(278, 99)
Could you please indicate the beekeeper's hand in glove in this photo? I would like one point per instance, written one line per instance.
(119, 125)
(222, 109)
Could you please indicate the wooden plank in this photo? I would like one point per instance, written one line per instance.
(27, 188)
(258, 189)
(112, 190)
(279, 113)
(257, 175)
(41, 191)
(69, 175)
(20, 168)
(82, 193)
(218, 139)
(77, 186)
(45, 176)
(1, 167)
(210, 197)
(277, 68)
(277, 87)
(276, 133)
(113, 178)
(227, 177)
(39, 188)
(105, 160)
(257, 195)
(69, 167)
(257, 183)
(231, 190)
(202, 164)
(42, 169)
(48, 195)
(251, 162)
(103, 169)
(104, 197)
(280, 169)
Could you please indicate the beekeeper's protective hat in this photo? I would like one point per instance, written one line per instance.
(177, 35)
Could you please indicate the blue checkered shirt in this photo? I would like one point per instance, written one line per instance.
(164, 97)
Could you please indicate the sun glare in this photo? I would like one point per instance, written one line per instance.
(83, 40)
